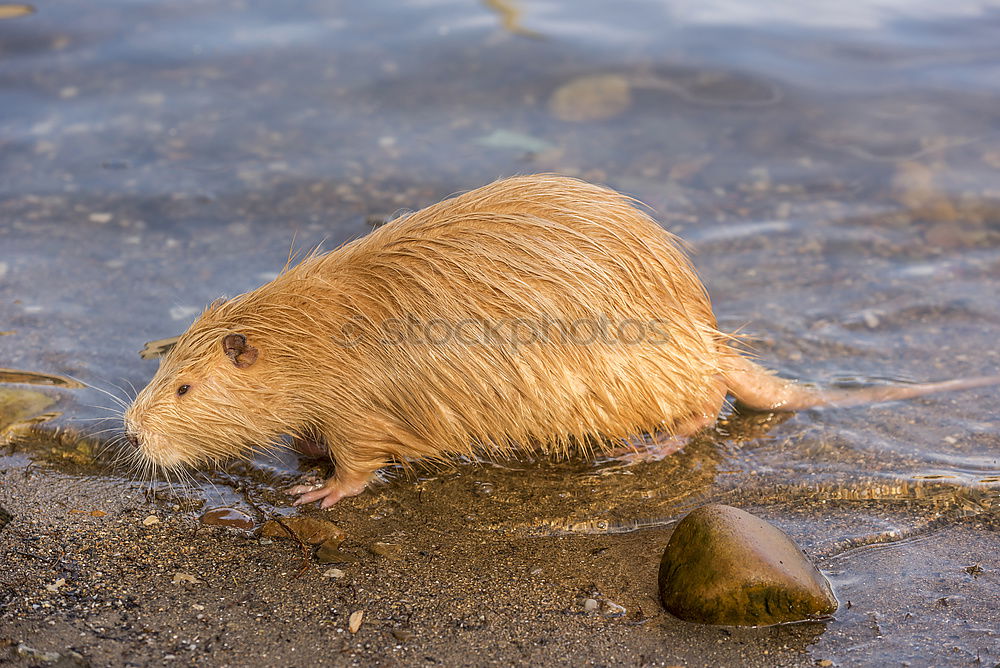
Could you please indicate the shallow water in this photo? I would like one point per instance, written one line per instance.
(832, 165)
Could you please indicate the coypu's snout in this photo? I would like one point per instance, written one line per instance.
(133, 439)
(133, 434)
(145, 442)
(151, 446)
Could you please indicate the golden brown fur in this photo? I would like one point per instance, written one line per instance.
(540, 248)
(532, 249)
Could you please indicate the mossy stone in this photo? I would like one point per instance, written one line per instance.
(724, 566)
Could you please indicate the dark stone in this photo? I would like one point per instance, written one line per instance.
(227, 517)
(725, 566)
(306, 529)
(329, 552)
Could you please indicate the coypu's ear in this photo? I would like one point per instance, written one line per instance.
(238, 350)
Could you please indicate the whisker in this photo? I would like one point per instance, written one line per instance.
(115, 413)
(135, 392)
(118, 400)
(97, 433)
(209, 481)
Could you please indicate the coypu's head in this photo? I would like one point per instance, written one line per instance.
(212, 398)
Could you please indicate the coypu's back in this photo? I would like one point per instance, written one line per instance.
(479, 276)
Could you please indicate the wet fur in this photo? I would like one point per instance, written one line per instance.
(540, 248)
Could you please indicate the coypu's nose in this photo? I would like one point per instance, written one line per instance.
(132, 438)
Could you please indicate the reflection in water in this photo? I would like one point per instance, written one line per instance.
(510, 13)
(35, 378)
(19, 407)
(13, 11)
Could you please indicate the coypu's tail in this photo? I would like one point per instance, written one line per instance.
(758, 389)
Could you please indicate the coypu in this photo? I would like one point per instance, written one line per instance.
(538, 312)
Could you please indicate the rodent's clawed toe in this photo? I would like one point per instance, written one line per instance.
(331, 491)
(639, 452)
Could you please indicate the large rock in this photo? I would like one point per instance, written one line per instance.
(725, 566)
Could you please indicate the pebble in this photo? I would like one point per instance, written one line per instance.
(33, 654)
(307, 529)
(612, 609)
(402, 635)
(590, 605)
(227, 517)
(184, 578)
(484, 488)
(334, 573)
(354, 623)
(913, 186)
(330, 553)
(591, 98)
(54, 587)
(387, 550)
(150, 520)
(100, 218)
(725, 566)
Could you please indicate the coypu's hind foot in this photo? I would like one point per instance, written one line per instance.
(656, 446)
(334, 489)
(652, 448)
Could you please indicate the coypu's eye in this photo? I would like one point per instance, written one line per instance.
(183, 390)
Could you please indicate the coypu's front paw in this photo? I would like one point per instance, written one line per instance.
(329, 492)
